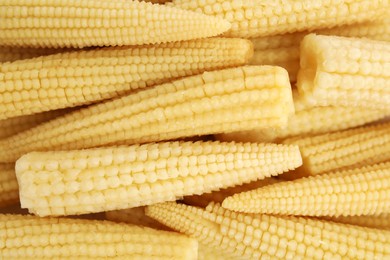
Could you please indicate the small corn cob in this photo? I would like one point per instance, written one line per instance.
(344, 149)
(344, 71)
(248, 236)
(235, 99)
(218, 196)
(381, 221)
(362, 191)
(72, 23)
(24, 237)
(102, 179)
(258, 18)
(76, 78)
(13, 54)
(9, 192)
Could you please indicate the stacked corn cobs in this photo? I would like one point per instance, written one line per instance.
(195, 129)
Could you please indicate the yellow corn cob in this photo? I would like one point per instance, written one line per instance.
(309, 120)
(344, 149)
(13, 54)
(24, 236)
(261, 18)
(102, 179)
(9, 192)
(272, 237)
(76, 78)
(218, 196)
(381, 221)
(73, 23)
(227, 100)
(344, 71)
(358, 192)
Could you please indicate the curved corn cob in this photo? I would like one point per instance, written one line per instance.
(72, 23)
(364, 191)
(9, 192)
(76, 78)
(218, 196)
(101, 179)
(24, 236)
(344, 71)
(344, 149)
(257, 18)
(272, 237)
(13, 54)
(228, 100)
(381, 221)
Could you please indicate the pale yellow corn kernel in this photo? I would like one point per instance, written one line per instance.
(361, 192)
(9, 191)
(102, 179)
(381, 221)
(73, 23)
(24, 237)
(257, 18)
(227, 100)
(344, 71)
(83, 77)
(250, 236)
(13, 54)
(218, 196)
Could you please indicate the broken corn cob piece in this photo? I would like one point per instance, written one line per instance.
(235, 99)
(24, 236)
(344, 71)
(381, 221)
(344, 149)
(12, 54)
(250, 236)
(362, 191)
(72, 23)
(258, 18)
(76, 78)
(102, 179)
(9, 191)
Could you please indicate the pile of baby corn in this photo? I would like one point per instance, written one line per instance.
(203, 129)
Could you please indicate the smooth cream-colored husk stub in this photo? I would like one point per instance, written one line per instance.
(30, 237)
(344, 71)
(102, 179)
(251, 236)
(361, 191)
(74, 78)
(9, 191)
(73, 23)
(228, 100)
(381, 221)
(258, 18)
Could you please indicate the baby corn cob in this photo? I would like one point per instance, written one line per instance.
(344, 71)
(76, 78)
(381, 221)
(272, 237)
(258, 18)
(13, 54)
(344, 149)
(222, 101)
(24, 237)
(9, 192)
(218, 196)
(102, 179)
(72, 23)
(362, 191)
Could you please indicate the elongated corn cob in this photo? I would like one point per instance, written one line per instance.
(218, 196)
(13, 54)
(381, 221)
(344, 149)
(76, 78)
(72, 23)
(261, 18)
(344, 71)
(101, 179)
(24, 236)
(362, 191)
(272, 237)
(9, 192)
(228, 100)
